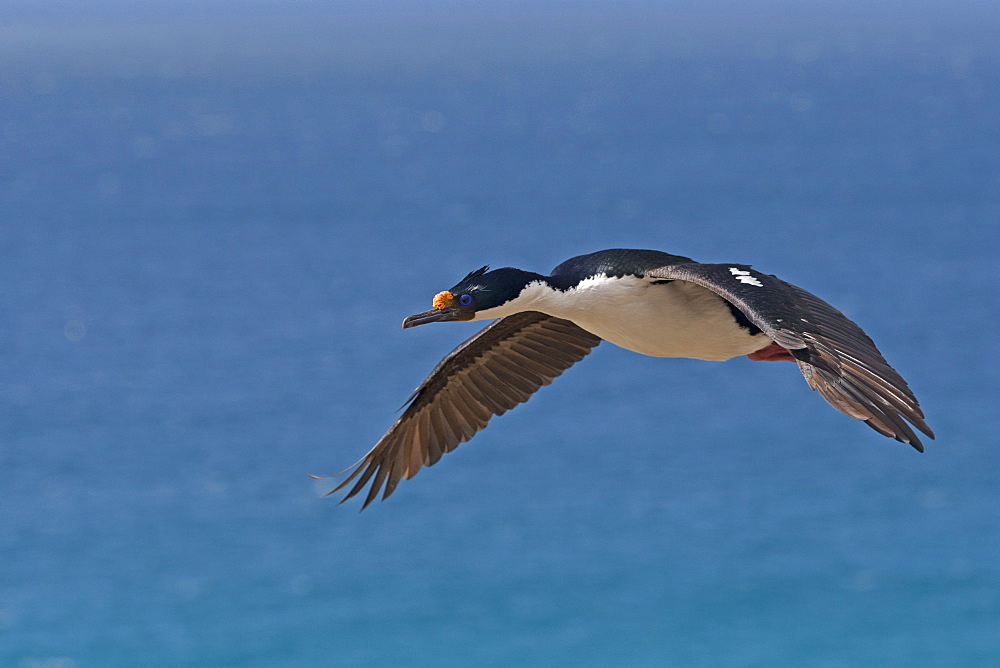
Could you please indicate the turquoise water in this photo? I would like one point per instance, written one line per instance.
(213, 218)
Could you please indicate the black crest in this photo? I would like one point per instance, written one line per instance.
(475, 274)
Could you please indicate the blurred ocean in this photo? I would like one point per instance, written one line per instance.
(214, 216)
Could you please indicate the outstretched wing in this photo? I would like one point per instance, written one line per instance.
(494, 371)
(836, 357)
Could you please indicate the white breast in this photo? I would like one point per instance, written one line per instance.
(675, 319)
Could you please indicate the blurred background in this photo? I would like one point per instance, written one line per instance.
(214, 216)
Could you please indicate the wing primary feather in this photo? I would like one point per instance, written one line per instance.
(396, 469)
(376, 486)
(369, 470)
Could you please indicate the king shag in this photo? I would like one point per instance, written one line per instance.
(646, 301)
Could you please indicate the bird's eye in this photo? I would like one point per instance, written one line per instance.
(465, 300)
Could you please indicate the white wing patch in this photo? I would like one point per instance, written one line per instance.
(745, 277)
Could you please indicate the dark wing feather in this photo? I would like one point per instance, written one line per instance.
(494, 371)
(836, 357)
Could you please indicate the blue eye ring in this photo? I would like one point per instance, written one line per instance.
(465, 300)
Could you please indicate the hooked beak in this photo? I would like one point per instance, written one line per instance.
(436, 315)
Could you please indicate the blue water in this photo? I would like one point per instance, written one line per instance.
(214, 216)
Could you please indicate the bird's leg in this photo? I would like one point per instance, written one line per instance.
(772, 353)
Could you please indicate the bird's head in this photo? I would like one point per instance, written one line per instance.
(475, 297)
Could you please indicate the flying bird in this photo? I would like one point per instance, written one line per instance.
(646, 301)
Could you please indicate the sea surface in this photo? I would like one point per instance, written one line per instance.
(214, 216)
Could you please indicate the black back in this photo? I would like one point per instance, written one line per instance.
(614, 262)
